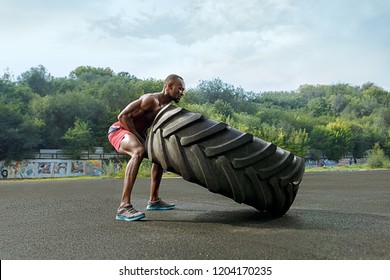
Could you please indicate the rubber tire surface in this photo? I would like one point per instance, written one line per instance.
(225, 160)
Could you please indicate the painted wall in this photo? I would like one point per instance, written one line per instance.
(46, 168)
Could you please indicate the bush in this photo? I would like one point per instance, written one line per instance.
(113, 169)
(144, 169)
(118, 169)
(377, 158)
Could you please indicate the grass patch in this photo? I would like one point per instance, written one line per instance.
(353, 167)
(117, 170)
(73, 178)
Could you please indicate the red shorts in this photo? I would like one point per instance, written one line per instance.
(117, 132)
(116, 135)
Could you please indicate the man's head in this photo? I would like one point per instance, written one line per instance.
(174, 87)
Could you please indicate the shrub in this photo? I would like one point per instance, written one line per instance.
(112, 169)
(377, 158)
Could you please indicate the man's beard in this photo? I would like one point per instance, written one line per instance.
(176, 100)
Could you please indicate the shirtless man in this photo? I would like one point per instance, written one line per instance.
(128, 137)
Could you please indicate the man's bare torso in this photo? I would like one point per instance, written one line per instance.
(144, 118)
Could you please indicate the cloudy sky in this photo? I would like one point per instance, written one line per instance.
(259, 45)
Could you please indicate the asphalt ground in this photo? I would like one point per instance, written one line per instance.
(336, 215)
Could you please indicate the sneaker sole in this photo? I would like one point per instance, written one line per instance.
(120, 218)
(151, 208)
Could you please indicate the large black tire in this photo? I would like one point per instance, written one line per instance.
(225, 160)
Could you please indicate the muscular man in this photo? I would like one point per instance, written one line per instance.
(128, 137)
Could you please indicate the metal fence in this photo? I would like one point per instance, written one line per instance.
(82, 155)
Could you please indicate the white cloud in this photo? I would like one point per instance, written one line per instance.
(259, 45)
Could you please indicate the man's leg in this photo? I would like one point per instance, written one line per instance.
(155, 203)
(131, 146)
(156, 175)
(131, 172)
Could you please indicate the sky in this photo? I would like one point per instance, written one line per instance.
(259, 45)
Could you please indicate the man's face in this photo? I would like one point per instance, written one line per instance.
(177, 90)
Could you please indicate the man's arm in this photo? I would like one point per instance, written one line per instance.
(136, 109)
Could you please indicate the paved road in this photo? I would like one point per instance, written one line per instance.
(339, 215)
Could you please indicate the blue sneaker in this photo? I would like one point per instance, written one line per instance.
(128, 213)
(159, 205)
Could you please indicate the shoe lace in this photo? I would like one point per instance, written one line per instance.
(130, 209)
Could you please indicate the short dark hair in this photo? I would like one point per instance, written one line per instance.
(171, 78)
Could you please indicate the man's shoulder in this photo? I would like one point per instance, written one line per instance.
(152, 95)
(149, 100)
(148, 96)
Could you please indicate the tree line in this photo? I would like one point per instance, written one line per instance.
(73, 113)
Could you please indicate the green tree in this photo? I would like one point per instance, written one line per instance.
(38, 79)
(37, 111)
(78, 138)
(335, 139)
(297, 141)
(318, 107)
(380, 95)
(377, 159)
(21, 134)
(386, 147)
(211, 91)
(338, 103)
(223, 108)
(271, 134)
(89, 73)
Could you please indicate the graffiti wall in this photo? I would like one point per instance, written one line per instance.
(39, 168)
